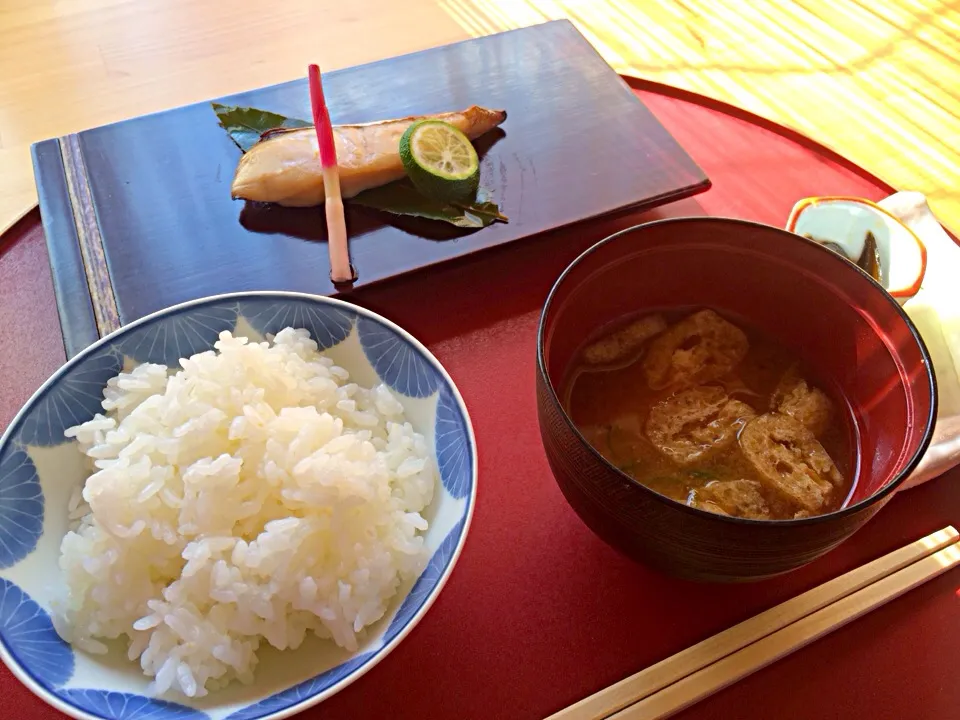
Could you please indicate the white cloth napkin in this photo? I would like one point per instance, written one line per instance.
(935, 310)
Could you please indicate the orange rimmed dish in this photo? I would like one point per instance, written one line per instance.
(867, 234)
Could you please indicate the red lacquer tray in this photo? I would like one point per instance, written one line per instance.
(539, 612)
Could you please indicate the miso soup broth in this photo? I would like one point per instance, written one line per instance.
(708, 411)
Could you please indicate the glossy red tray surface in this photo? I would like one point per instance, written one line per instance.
(539, 612)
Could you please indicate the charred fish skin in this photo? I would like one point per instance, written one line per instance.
(284, 168)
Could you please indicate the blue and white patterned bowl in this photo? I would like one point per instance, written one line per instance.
(39, 469)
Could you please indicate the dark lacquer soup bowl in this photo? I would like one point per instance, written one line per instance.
(832, 315)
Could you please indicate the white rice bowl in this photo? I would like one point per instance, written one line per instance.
(263, 500)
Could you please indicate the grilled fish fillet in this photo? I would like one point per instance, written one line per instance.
(284, 167)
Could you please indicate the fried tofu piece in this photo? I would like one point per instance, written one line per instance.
(740, 498)
(808, 405)
(625, 342)
(690, 424)
(787, 455)
(698, 349)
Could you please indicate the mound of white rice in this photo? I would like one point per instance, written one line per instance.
(255, 494)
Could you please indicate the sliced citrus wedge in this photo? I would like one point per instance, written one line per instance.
(440, 160)
(868, 235)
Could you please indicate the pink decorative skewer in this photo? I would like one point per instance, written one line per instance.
(340, 269)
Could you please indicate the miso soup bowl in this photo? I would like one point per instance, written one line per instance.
(831, 314)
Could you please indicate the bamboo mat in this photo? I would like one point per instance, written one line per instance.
(875, 79)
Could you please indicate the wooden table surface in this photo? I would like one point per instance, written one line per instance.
(875, 79)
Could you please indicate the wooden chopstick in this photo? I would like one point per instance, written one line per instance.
(638, 686)
(758, 655)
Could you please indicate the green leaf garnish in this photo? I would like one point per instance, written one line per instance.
(402, 198)
(246, 125)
